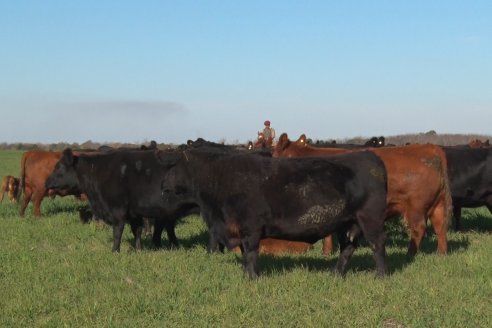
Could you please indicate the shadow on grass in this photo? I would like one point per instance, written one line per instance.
(397, 236)
(200, 239)
(479, 220)
(272, 265)
(58, 206)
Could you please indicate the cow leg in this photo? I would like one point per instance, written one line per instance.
(416, 224)
(213, 243)
(457, 218)
(137, 226)
(25, 201)
(36, 203)
(171, 235)
(4, 188)
(439, 221)
(373, 231)
(147, 229)
(348, 240)
(377, 242)
(117, 233)
(327, 245)
(250, 248)
(157, 235)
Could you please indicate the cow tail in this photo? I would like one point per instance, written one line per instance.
(446, 189)
(22, 177)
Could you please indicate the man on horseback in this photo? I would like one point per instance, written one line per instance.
(269, 134)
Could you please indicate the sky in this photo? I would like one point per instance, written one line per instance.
(133, 71)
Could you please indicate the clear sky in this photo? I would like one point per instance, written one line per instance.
(132, 71)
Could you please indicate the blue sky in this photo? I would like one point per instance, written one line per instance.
(132, 71)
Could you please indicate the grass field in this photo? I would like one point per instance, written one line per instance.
(57, 272)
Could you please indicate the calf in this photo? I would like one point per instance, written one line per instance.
(10, 185)
(245, 198)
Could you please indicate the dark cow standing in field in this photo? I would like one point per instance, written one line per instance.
(10, 185)
(375, 142)
(244, 198)
(123, 186)
(36, 166)
(470, 176)
(418, 185)
(270, 246)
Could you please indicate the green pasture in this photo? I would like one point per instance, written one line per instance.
(57, 272)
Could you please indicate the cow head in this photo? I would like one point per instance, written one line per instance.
(302, 141)
(375, 142)
(174, 185)
(64, 175)
(13, 188)
(282, 144)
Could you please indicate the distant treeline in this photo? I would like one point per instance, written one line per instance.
(398, 140)
(431, 137)
(60, 146)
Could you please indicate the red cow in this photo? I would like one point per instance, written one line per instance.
(418, 185)
(476, 143)
(272, 246)
(36, 166)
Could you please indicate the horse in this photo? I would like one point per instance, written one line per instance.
(262, 142)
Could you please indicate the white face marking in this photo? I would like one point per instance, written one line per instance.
(138, 165)
(123, 169)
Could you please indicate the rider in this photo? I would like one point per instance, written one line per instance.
(269, 133)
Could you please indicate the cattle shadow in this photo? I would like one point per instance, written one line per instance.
(51, 207)
(271, 265)
(475, 220)
(398, 236)
(200, 239)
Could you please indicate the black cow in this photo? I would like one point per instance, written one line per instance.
(122, 187)
(245, 198)
(375, 142)
(470, 177)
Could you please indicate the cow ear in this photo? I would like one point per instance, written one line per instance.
(189, 143)
(302, 141)
(283, 141)
(68, 157)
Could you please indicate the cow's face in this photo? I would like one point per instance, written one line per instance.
(174, 185)
(64, 175)
(13, 186)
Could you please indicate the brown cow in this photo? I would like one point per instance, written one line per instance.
(418, 185)
(10, 185)
(476, 143)
(36, 166)
(272, 246)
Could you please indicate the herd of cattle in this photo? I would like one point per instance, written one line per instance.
(261, 199)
